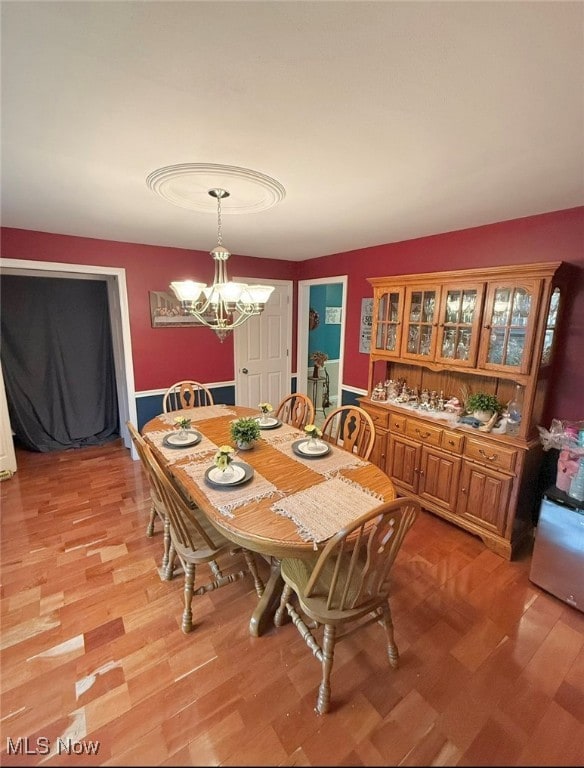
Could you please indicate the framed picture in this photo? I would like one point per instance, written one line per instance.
(167, 312)
(332, 315)
(366, 324)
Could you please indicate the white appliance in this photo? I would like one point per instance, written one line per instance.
(557, 564)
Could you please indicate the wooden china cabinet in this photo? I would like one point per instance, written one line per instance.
(453, 333)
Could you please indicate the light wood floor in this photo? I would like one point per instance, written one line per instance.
(491, 671)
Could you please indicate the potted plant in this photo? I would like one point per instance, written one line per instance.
(245, 431)
(183, 424)
(265, 408)
(313, 433)
(319, 359)
(483, 406)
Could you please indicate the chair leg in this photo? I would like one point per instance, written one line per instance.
(167, 545)
(253, 569)
(281, 612)
(187, 618)
(328, 652)
(392, 651)
(168, 571)
(150, 528)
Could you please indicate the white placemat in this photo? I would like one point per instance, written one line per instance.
(229, 498)
(327, 465)
(197, 414)
(319, 512)
(175, 454)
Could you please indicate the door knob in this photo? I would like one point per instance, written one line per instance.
(244, 370)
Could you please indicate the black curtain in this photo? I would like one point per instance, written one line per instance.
(58, 363)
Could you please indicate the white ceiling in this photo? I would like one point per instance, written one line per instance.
(384, 121)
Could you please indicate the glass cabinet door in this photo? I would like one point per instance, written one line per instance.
(388, 321)
(420, 326)
(458, 326)
(508, 334)
(551, 327)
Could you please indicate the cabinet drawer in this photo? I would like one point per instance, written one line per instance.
(491, 454)
(397, 424)
(379, 416)
(451, 441)
(419, 430)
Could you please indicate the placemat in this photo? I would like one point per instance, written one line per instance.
(325, 465)
(174, 454)
(197, 414)
(228, 499)
(319, 512)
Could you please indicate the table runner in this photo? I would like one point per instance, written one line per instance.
(228, 499)
(197, 414)
(174, 454)
(319, 512)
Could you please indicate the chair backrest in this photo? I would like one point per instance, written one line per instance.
(187, 533)
(186, 394)
(296, 409)
(352, 571)
(141, 446)
(351, 428)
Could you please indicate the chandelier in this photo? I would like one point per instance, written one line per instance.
(225, 305)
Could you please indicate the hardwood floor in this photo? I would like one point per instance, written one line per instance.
(94, 663)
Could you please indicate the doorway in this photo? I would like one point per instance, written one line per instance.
(119, 320)
(321, 327)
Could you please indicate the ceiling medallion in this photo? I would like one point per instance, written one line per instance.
(187, 186)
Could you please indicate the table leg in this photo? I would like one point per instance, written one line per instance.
(269, 601)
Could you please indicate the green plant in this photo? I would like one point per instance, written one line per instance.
(481, 401)
(245, 430)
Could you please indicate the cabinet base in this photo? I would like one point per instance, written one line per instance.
(498, 544)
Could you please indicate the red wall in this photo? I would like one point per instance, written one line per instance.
(160, 355)
(555, 236)
(175, 353)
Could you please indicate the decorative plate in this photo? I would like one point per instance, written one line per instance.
(171, 440)
(269, 423)
(300, 448)
(242, 472)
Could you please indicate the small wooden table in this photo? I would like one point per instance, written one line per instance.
(254, 525)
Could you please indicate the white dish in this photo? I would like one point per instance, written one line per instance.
(173, 439)
(269, 423)
(304, 448)
(217, 475)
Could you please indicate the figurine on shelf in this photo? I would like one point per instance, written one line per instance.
(378, 393)
(441, 401)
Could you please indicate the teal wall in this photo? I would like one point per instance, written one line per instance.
(326, 337)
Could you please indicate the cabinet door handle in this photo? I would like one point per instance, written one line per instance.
(421, 471)
(488, 327)
(451, 442)
(463, 490)
(423, 435)
(488, 458)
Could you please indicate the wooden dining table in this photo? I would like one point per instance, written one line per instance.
(290, 503)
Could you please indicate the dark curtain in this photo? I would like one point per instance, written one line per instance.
(58, 363)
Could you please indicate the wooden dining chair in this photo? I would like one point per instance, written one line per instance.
(296, 409)
(186, 394)
(346, 587)
(352, 428)
(195, 541)
(157, 508)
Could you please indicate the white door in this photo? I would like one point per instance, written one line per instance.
(7, 455)
(262, 350)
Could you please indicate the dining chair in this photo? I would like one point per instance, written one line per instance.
(157, 508)
(296, 409)
(195, 541)
(186, 394)
(352, 428)
(346, 586)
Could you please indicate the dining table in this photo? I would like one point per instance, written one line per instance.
(285, 501)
